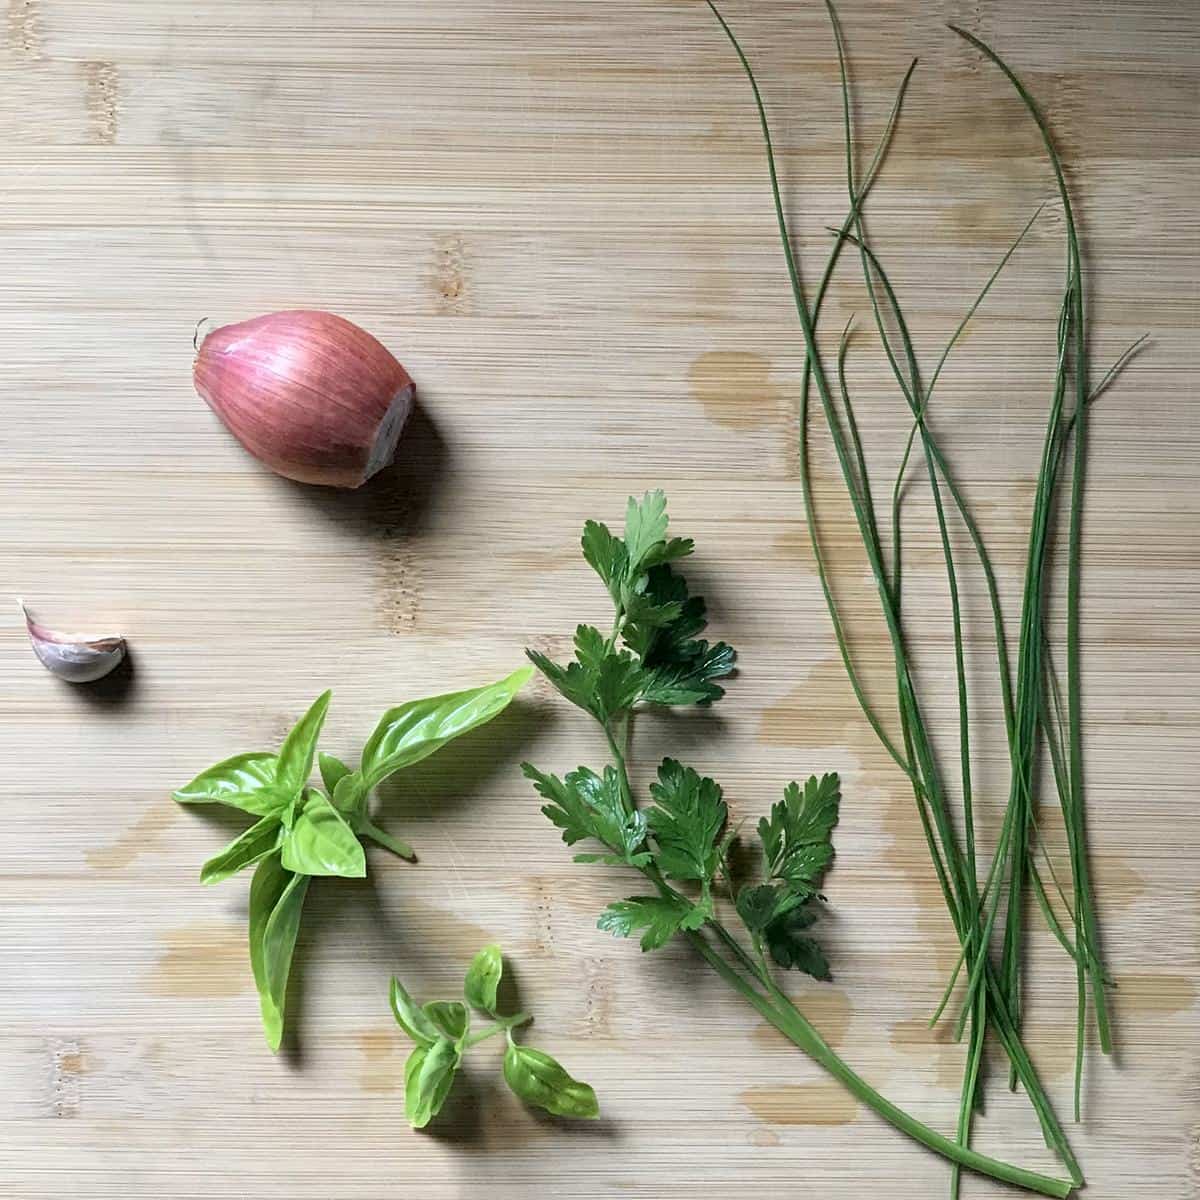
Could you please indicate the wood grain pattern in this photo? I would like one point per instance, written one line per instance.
(555, 214)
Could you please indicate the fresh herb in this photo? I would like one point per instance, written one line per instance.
(680, 843)
(303, 831)
(442, 1033)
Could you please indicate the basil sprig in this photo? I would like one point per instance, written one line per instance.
(441, 1032)
(303, 831)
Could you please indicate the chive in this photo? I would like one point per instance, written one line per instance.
(993, 992)
(1073, 814)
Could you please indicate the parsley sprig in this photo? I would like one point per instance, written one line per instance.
(679, 843)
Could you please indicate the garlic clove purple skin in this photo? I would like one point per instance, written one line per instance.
(75, 657)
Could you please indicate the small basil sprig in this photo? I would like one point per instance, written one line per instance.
(441, 1031)
(303, 831)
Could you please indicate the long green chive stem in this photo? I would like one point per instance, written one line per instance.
(917, 762)
(1073, 810)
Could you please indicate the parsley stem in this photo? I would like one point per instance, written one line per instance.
(622, 771)
(791, 1022)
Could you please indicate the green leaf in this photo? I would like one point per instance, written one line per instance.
(574, 681)
(605, 683)
(761, 904)
(411, 1017)
(276, 901)
(428, 1076)
(792, 949)
(660, 916)
(539, 1079)
(606, 555)
(645, 528)
(679, 667)
(590, 650)
(483, 979)
(415, 730)
(300, 745)
(349, 797)
(797, 838)
(450, 1016)
(644, 612)
(587, 805)
(246, 782)
(261, 839)
(668, 551)
(333, 771)
(686, 821)
(321, 843)
(688, 680)
(619, 684)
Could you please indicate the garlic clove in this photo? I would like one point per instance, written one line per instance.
(75, 657)
(310, 394)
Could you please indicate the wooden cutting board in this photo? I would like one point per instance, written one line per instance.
(556, 214)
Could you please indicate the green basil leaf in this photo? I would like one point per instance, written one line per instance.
(413, 731)
(483, 978)
(349, 798)
(300, 745)
(428, 1074)
(246, 781)
(539, 1079)
(411, 1017)
(321, 843)
(276, 900)
(450, 1016)
(256, 843)
(333, 770)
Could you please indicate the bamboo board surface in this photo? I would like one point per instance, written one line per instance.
(556, 214)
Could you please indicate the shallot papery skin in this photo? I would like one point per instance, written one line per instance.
(308, 393)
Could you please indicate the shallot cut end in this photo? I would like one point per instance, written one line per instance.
(387, 438)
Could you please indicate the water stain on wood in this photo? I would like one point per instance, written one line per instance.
(829, 1010)
(907, 852)
(1160, 994)
(145, 834)
(1116, 883)
(734, 388)
(24, 29)
(459, 939)
(101, 83)
(822, 711)
(1051, 1047)
(801, 1104)
(847, 571)
(448, 278)
(764, 1138)
(715, 294)
(201, 960)
(383, 1067)
(934, 1048)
